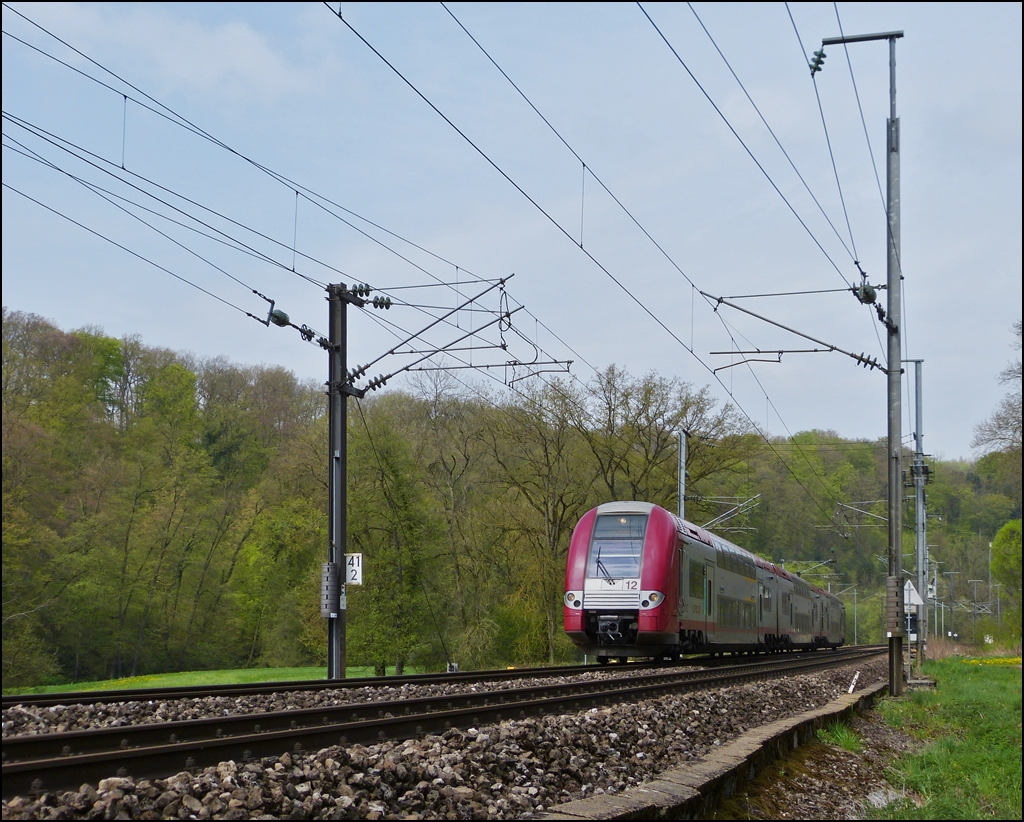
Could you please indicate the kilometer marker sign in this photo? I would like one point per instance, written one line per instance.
(353, 569)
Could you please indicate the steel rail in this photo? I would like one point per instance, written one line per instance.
(255, 689)
(196, 691)
(62, 761)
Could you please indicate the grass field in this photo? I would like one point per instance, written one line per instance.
(184, 679)
(970, 767)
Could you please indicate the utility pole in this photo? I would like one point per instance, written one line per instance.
(920, 471)
(952, 601)
(974, 611)
(990, 577)
(895, 621)
(683, 436)
(334, 600)
(340, 386)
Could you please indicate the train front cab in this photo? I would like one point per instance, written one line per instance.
(620, 582)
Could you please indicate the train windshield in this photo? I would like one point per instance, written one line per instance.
(616, 546)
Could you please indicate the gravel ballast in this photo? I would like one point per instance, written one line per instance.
(503, 771)
(30, 719)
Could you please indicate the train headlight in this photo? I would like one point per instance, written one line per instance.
(574, 599)
(651, 599)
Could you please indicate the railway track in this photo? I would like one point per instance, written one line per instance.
(50, 762)
(196, 691)
(313, 685)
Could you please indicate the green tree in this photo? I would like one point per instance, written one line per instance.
(1006, 558)
(546, 476)
(446, 430)
(1001, 432)
(631, 427)
(390, 525)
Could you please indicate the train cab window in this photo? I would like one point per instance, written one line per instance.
(616, 546)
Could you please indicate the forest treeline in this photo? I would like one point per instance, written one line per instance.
(163, 512)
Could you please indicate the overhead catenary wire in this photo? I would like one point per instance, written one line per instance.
(742, 143)
(835, 169)
(463, 307)
(226, 241)
(614, 197)
(512, 182)
(57, 142)
(169, 114)
(110, 196)
(803, 54)
(230, 241)
(772, 132)
(73, 149)
(126, 249)
(821, 111)
(554, 222)
(312, 196)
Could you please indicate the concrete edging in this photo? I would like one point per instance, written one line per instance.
(693, 790)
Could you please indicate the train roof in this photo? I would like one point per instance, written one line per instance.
(688, 530)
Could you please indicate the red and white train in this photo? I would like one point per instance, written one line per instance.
(641, 582)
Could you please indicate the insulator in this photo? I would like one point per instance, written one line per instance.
(865, 293)
(278, 317)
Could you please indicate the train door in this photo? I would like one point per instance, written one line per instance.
(709, 591)
(761, 630)
(681, 596)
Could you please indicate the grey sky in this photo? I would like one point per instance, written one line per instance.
(292, 88)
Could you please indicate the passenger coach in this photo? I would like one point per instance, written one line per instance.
(641, 582)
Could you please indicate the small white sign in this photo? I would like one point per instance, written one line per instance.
(910, 594)
(353, 569)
